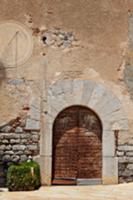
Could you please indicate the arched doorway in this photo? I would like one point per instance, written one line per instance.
(98, 98)
(77, 147)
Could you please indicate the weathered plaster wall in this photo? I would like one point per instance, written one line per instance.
(82, 39)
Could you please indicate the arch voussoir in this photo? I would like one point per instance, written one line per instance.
(97, 97)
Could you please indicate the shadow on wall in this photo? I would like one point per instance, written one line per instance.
(2, 73)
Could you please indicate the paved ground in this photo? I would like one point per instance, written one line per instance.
(113, 192)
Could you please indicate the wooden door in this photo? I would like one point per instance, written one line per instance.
(89, 145)
(76, 146)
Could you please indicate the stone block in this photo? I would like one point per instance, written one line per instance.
(18, 130)
(5, 141)
(15, 158)
(129, 153)
(8, 147)
(126, 159)
(52, 112)
(33, 147)
(77, 92)
(116, 120)
(6, 158)
(125, 147)
(88, 88)
(110, 124)
(9, 152)
(7, 135)
(46, 168)
(46, 140)
(97, 95)
(67, 86)
(34, 113)
(14, 141)
(25, 136)
(19, 147)
(107, 104)
(108, 143)
(35, 137)
(15, 136)
(23, 158)
(32, 125)
(28, 152)
(2, 147)
(6, 129)
(120, 153)
(19, 152)
(11, 135)
(57, 104)
(130, 166)
(126, 173)
(24, 141)
(56, 89)
(110, 170)
(1, 137)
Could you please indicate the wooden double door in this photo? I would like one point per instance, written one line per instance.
(77, 147)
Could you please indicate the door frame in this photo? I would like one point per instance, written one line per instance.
(96, 97)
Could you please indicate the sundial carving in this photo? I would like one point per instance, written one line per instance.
(15, 43)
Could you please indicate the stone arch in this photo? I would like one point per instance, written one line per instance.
(97, 97)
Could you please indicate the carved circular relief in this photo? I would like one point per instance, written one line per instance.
(16, 43)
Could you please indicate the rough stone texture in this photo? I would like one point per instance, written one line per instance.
(125, 159)
(27, 147)
(57, 38)
(98, 98)
(17, 144)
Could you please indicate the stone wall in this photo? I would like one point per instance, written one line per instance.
(17, 141)
(125, 159)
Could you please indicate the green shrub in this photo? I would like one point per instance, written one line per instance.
(23, 177)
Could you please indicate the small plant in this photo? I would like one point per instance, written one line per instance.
(23, 177)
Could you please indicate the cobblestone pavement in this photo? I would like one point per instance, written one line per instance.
(113, 192)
